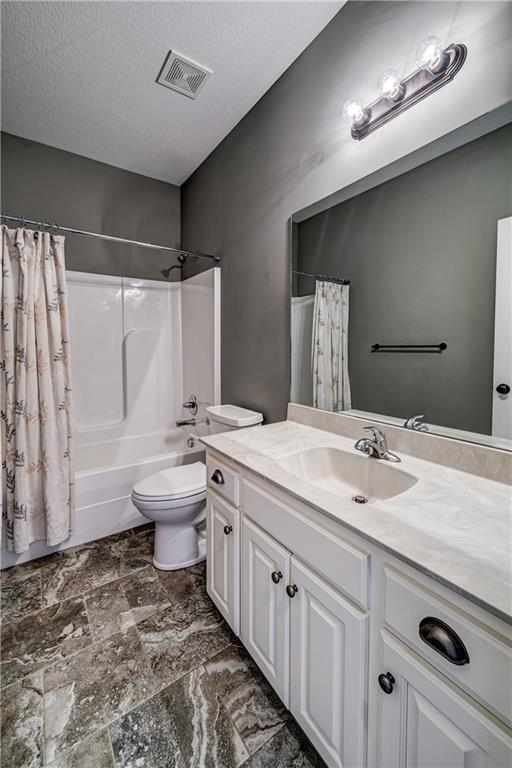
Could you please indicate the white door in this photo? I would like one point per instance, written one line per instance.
(265, 608)
(502, 381)
(223, 561)
(426, 723)
(327, 670)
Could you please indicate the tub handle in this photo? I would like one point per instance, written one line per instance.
(218, 477)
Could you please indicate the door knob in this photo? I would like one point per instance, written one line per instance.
(218, 477)
(276, 576)
(228, 529)
(386, 682)
(503, 389)
(291, 590)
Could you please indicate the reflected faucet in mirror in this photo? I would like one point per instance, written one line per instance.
(415, 423)
(376, 446)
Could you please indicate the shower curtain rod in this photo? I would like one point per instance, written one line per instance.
(49, 226)
(328, 278)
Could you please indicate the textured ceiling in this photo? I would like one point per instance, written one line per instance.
(80, 76)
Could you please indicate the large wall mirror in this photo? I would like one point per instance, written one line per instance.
(401, 295)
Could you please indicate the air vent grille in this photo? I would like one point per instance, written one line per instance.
(183, 75)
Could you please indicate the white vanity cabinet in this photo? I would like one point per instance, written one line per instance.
(340, 629)
(309, 642)
(328, 660)
(265, 625)
(427, 723)
(223, 558)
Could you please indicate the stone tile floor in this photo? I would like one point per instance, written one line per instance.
(107, 662)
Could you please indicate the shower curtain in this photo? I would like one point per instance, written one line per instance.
(35, 388)
(329, 354)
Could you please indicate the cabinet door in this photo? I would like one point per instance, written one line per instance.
(328, 668)
(265, 606)
(223, 561)
(426, 723)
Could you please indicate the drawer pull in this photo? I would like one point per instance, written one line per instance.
(276, 576)
(291, 589)
(228, 529)
(444, 640)
(218, 477)
(386, 682)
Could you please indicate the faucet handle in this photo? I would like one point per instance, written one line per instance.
(377, 433)
(191, 404)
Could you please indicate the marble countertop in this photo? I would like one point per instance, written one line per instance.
(451, 525)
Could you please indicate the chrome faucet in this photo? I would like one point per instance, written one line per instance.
(376, 445)
(414, 422)
(186, 423)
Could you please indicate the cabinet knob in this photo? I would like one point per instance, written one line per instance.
(291, 590)
(443, 639)
(218, 477)
(276, 576)
(503, 389)
(228, 529)
(386, 682)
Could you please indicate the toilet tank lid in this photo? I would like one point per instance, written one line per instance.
(234, 416)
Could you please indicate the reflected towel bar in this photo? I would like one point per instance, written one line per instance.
(435, 348)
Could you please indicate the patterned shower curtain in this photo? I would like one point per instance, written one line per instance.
(35, 388)
(331, 384)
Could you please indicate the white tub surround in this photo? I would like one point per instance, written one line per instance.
(383, 626)
(200, 342)
(126, 359)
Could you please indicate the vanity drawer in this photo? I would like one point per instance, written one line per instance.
(488, 675)
(344, 565)
(224, 479)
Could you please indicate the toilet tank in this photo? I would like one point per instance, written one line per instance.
(225, 418)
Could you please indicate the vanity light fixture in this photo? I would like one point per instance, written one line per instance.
(436, 67)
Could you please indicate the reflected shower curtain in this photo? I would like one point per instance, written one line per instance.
(331, 384)
(35, 388)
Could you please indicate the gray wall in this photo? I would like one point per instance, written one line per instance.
(420, 252)
(42, 182)
(293, 148)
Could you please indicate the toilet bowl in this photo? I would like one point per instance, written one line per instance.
(175, 499)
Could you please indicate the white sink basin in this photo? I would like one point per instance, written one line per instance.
(348, 474)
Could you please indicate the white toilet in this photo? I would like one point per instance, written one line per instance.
(175, 499)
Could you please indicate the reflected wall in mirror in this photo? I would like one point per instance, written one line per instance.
(419, 261)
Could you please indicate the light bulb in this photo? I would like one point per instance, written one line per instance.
(390, 85)
(431, 56)
(355, 113)
(352, 110)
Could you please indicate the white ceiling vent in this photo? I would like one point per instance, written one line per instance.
(183, 75)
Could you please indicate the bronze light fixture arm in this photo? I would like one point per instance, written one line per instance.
(413, 88)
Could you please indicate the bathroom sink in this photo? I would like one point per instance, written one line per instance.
(347, 474)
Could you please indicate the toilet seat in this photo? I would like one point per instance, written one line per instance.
(172, 485)
(152, 502)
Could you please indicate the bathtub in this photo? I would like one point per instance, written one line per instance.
(105, 473)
